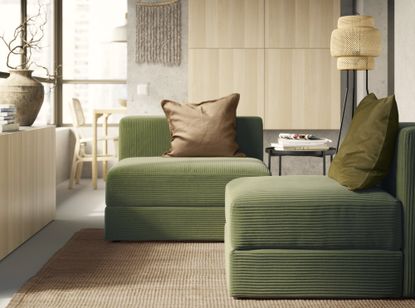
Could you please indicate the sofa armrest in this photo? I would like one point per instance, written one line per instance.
(405, 192)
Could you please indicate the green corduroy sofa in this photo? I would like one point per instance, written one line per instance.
(150, 197)
(308, 236)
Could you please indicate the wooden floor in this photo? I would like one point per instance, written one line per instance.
(79, 208)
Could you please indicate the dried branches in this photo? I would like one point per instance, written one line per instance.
(26, 38)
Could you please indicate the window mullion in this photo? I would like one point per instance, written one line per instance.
(23, 18)
(57, 55)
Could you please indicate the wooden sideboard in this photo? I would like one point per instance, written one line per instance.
(27, 184)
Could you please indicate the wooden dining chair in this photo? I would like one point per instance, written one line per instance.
(80, 154)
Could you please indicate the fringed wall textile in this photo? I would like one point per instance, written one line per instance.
(159, 32)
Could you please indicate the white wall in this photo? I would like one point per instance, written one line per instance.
(405, 59)
(64, 150)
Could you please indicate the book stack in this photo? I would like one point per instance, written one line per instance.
(8, 118)
(300, 142)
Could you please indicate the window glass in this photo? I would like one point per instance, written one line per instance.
(42, 57)
(93, 96)
(47, 112)
(88, 52)
(43, 23)
(9, 21)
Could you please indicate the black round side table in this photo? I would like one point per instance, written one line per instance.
(273, 152)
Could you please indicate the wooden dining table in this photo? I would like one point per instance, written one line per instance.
(98, 113)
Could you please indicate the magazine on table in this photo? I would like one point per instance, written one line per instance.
(300, 142)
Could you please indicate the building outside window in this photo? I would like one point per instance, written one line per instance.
(9, 20)
(94, 69)
(89, 54)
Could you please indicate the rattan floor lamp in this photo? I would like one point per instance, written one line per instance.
(355, 43)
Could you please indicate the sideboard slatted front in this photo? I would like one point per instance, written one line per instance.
(27, 184)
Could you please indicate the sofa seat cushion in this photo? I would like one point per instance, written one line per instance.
(310, 212)
(176, 181)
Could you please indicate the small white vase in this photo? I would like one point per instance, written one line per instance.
(26, 93)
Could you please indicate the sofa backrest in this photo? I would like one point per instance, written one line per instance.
(401, 183)
(405, 137)
(150, 136)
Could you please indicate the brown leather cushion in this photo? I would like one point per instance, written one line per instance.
(205, 129)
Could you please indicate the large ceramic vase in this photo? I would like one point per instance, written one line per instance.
(26, 93)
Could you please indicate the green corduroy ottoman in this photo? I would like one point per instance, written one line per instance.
(309, 237)
(180, 198)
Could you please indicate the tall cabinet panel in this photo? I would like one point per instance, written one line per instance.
(226, 23)
(275, 53)
(301, 89)
(302, 84)
(300, 23)
(214, 73)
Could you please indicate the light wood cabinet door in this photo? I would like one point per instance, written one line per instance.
(214, 73)
(300, 23)
(27, 184)
(226, 23)
(302, 89)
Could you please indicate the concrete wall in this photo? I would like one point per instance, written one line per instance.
(164, 81)
(405, 59)
(378, 78)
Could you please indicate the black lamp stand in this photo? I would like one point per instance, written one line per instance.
(353, 100)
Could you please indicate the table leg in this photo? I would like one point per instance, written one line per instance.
(324, 164)
(279, 165)
(105, 150)
(269, 163)
(94, 150)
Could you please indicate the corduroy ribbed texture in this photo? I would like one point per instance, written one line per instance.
(150, 136)
(405, 192)
(164, 223)
(143, 136)
(310, 212)
(272, 273)
(176, 181)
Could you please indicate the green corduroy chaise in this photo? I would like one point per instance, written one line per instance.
(308, 236)
(150, 197)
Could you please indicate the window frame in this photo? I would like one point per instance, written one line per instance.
(58, 62)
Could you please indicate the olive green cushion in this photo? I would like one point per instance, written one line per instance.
(366, 153)
(178, 181)
(310, 212)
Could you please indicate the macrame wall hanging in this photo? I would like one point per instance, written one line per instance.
(158, 32)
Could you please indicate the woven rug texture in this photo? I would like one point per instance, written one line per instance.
(91, 272)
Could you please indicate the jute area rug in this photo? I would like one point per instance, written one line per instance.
(90, 272)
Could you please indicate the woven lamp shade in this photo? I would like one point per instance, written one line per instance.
(355, 43)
